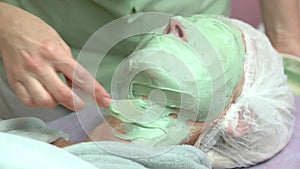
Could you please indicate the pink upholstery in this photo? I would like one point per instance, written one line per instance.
(246, 10)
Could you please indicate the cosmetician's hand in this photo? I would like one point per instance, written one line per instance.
(33, 55)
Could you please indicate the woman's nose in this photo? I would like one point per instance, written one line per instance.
(176, 27)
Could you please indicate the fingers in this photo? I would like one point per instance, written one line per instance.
(102, 96)
(60, 92)
(39, 95)
(22, 94)
(69, 82)
(38, 84)
(30, 53)
(33, 94)
(83, 80)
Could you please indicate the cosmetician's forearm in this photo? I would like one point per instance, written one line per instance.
(281, 18)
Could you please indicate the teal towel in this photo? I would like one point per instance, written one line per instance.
(31, 127)
(115, 155)
(103, 155)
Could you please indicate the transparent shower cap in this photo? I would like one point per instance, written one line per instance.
(260, 121)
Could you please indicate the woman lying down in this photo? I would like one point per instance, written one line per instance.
(211, 82)
(219, 73)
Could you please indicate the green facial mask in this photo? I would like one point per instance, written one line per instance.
(192, 78)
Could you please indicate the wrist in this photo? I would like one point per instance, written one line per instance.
(280, 35)
(285, 42)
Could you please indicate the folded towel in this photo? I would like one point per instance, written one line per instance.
(119, 155)
(32, 128)
(34, 154)
(23, 153)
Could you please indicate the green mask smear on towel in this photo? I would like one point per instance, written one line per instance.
(167, 76)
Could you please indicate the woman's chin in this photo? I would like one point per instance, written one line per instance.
(104, 132)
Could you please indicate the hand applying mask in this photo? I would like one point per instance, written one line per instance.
(33, 55)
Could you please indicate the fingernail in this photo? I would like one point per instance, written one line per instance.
(105, 101)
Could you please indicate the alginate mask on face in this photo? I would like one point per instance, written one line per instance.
(167, 74)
